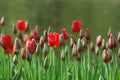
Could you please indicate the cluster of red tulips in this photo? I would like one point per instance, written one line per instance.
(46, 48)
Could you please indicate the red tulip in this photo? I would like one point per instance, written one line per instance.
(31, 46)
(64, 33)
(6, 43)
(53, 39)
(34, 34)
(76, 25)
(21, 25)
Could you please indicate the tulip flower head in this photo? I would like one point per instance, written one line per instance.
(34, 34)
(76, 25)
(53, 39)
(64, 33)
(6, 43)
(31, 46)
(21, 25)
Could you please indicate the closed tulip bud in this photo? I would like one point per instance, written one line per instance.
(92, 46)
(87, 34)
(31, 46)
(15, 49)
(46, 63)
(2, 21)
(81, 34)
(28, 55)
(99, 40)
(62, 41)
(41, 41)
(23, 53)
(84, 43)
(64, 33)
(105, 56)
(72, 41)
(96, 50)
(14, 30)
(74, 50)
(119, 53)
(103, 46)
(111, 42)
(37, 51)
(27, 26)
(118, 37)
(109, 55)
(45, 35)
(109, 32)
(45, 50)
(34, 34)
(79, 45)
(49, 30)
(63, 56)
(15, 59)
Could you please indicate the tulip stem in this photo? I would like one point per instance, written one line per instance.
(88, 52)
(9, 65)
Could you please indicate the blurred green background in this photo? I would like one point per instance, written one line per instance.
(97, 15)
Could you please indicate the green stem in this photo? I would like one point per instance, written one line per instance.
(88, 52)
(9, 66)
(61, 70)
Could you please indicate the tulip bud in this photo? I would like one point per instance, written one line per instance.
(119, 53)
(27, 26)
(109, 54)
(14, 30)
(37, 51)
(104, 56)
(99, 40)
(74, 50)
(49, 30)
(15, 59)
(109, 32)
(111, 42)
(63, 56)
(62, 41)
(84, 43)
(2, 21)
(41, 41)
(103, 46)
(31, 46)
(87, 34)
(45, 35)
(46, 63)
(15, 49)
(24, 53)
(118, 37)
(109, 57)
(81, 34)
(72, 41)
(79, 45)
(96, 50)
(45, 50)
(92, 47)
(34, 34)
